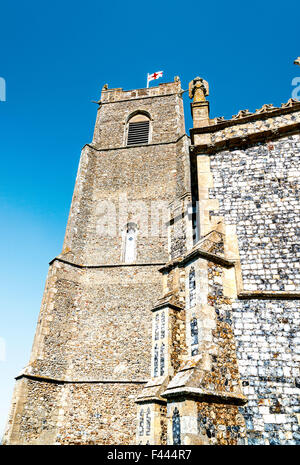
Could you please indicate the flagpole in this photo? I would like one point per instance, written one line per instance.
(147, 80)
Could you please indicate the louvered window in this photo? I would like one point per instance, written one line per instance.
(138, 130)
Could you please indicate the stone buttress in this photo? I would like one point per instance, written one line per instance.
(225, 344)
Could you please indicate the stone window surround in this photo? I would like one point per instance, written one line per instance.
(143, 114)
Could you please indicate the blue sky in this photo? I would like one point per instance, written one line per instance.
(55, 58)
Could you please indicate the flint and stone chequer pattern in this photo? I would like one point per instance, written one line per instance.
(258, 191)
(267, 340)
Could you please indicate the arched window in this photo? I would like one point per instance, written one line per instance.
(138, 129)
(156, 330)
(192, 287)
(162, 325)
(155, 360)
(176, 426)
(162, 359)
(194, 336)
(129, 245)
(148, 421)
(141, 423)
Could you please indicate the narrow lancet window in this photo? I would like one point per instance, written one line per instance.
(176, 426)
(148, 422)
(155, 361)
(162, 359)
(163, 325)
(156, 330)
(130, 243)
(192, 287)
(194, 336)
(141, 423)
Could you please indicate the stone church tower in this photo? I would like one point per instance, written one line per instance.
(92, 349)
(172, 314)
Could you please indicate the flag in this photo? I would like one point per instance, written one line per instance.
(151, 77)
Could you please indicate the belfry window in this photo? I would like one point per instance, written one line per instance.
(138, 130)
(129, 254)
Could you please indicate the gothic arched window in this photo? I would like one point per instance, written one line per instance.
(155, 360)
(192, 287)
(141, 423)
(156, 329)
(162, 359)
(138, 129)
(162, 325)
(194, 336)
(148, 421)
(176, 426)
(129, 243)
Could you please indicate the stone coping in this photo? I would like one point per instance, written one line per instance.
(245, 139)
(104, 265)
(79, 381)
(205, 396)
(284, 295)
(150, 400)
(256, 116)
(181, 261)
(166, 303)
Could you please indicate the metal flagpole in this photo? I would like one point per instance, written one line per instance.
(147, 80)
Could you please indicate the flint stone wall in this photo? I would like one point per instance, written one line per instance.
(112, 183)
(76, 413)
(96, 323)
(267, 344)
(258, 191)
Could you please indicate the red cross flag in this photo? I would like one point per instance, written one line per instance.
(151, 77)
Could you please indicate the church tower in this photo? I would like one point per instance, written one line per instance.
(91, 354)
(172, 314)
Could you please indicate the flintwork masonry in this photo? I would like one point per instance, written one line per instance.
(172, 314)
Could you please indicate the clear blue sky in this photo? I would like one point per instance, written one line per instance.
(55, 58)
